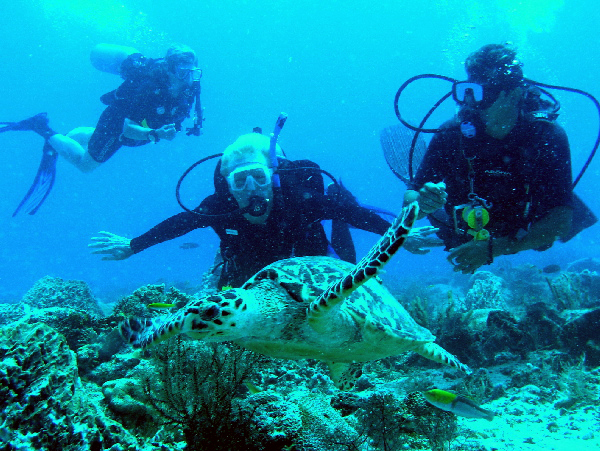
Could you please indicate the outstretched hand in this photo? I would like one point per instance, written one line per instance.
(167, 132)
(114, 246)
(419, 240)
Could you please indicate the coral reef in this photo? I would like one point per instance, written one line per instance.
(68, 382)
(136, 304)
(10, 313)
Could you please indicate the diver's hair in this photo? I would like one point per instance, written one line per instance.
(496, 64)
(179, 54)
(251, 147)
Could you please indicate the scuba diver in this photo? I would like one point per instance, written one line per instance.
(150, 105)
(263, 210)
(496, 179)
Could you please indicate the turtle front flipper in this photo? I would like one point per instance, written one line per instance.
(365, 269)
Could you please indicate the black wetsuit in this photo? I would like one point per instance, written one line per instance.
(524, 176)
(291, 230)
(145, 99)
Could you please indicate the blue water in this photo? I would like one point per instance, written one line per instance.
(333, 66)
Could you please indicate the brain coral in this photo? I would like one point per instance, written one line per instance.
(43, 404)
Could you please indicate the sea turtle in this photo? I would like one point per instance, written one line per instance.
(308, 307)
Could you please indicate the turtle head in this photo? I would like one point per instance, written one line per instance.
(218, 317)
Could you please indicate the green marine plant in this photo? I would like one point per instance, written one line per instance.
(580, 386)
(575, 290)
(419, 311)
(197, 390)
(453, 331)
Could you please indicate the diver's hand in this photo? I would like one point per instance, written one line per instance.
(432, 197)
(116, 247)
(419, 240)
(467, 257)
(167, 132)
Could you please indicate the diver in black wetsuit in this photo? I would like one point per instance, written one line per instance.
(501, 170)
(287, 225)
(150, 105)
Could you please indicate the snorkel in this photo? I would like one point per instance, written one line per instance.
(273, 149)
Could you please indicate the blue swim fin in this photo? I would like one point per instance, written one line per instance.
(42, 184)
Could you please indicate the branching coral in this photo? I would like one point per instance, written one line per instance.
(437, 426)
(384, 421)
(197, 390)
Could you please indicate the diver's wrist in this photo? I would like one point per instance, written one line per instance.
(152, 136)
(505, 246)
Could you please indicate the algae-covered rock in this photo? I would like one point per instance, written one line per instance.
(12, 312)
(487, 292)
(126, 397)
(56, 292)
(323, 426)
(303, 419)
(573, 290)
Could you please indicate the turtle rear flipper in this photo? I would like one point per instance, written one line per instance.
(364, 270)
(344, 375)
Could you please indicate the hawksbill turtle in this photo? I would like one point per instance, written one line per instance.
(308, 307)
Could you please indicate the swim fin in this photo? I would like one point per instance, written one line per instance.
(36, 123)
(396, 142)
(342, 245)
(42, 184)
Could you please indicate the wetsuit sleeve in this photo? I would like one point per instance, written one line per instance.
(435, 164)
(171, 228)
(353, 213)
(553, 182)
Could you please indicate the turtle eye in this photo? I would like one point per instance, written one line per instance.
(210, 312)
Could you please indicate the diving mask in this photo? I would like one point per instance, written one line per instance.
(249, 177)
(183, 73)
(479, 95)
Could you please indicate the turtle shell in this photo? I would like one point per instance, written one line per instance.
(305, 278)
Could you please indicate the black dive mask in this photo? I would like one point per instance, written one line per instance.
(476, 95)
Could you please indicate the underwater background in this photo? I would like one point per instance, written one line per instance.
(333, 66)
(527, 325)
